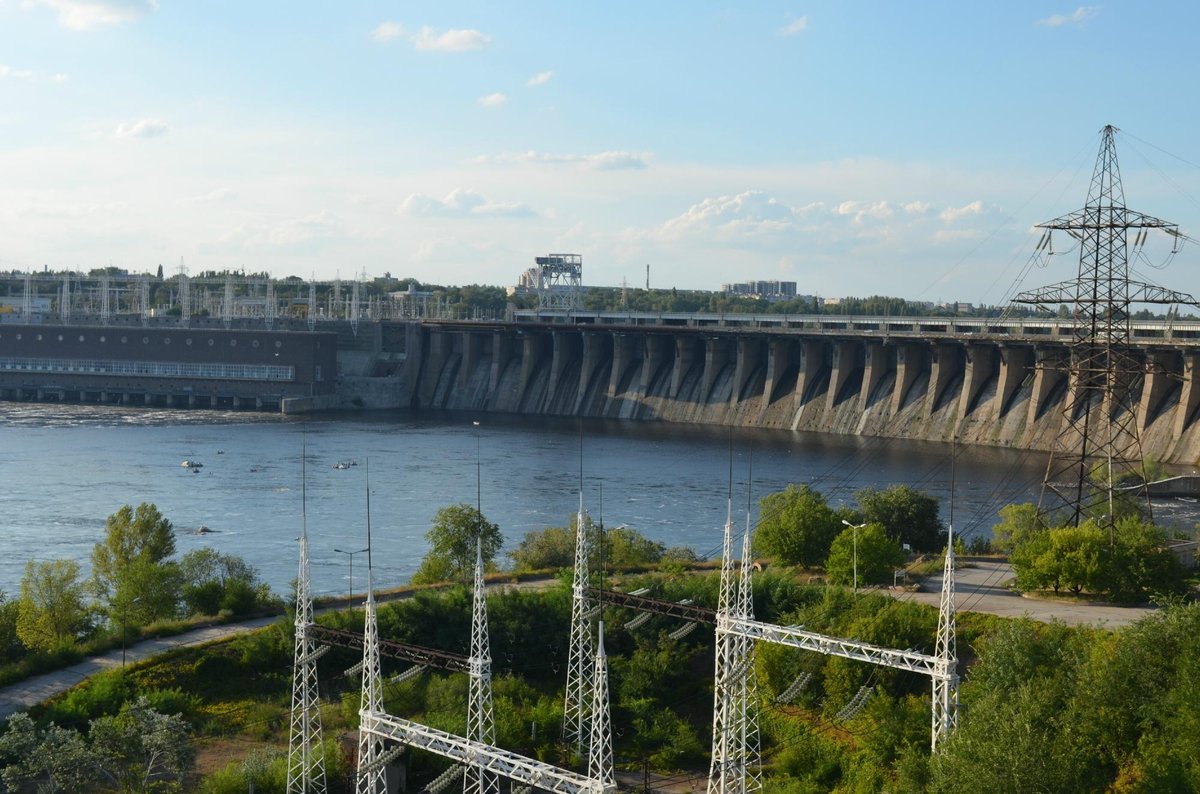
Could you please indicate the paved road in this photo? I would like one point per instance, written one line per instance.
(981, 588)
(24, 694)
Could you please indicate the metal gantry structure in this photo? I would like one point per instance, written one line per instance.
(735, 766)
(578, 697)
(481, 722)
(1099, 420)
(734, 763)
(306, 753)
(376, 727)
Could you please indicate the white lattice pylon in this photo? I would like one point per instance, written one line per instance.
(723, 777)
(370, 777)
(580, 659)
(945, 682)
(481, 723)
(746, 685)
(600, 752)
(306, 754)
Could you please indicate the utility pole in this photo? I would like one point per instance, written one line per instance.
(1099, 412)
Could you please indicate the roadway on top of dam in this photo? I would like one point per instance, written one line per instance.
(991, 329)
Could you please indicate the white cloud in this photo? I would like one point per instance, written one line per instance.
(290, 233)
(88, 14)
(749, 213)
(143, 128)
(541, 78)
(952, 214)
(916, 207)
(492, 100)
(462, 203)
(214, 196)
(387, 31)
(600, 161)
(16, 74)
(450, 41)
(798, 25)
(862, 210)
(1076, 17)
(60, 78)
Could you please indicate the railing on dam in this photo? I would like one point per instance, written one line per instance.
(1024, 328)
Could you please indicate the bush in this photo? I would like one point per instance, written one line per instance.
(797, 527)
(878, 556)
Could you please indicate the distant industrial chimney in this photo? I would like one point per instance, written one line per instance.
(647, 276)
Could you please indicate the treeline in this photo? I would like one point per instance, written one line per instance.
(797, 526)
(136, 581)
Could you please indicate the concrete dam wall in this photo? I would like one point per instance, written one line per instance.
(979, 390)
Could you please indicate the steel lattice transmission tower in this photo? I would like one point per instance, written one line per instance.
(306, 754)
(746, 683)
(481, 723)
(1099, 424)
(600, 752)
(945, 686)
(371, 774)
(580, 660)
(726, 774)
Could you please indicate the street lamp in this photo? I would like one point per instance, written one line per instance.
(351, 554)
(854, 536)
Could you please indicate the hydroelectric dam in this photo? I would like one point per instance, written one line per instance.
(987, 381)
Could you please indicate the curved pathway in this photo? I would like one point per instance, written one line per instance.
(23, 695)
(980, 586)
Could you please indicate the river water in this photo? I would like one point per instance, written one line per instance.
(63, 469)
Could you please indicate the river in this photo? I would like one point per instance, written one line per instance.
(63, 469)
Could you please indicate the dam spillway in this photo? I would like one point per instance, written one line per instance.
(977, 381)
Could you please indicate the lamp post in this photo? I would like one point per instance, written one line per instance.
(350, 554)
(854, 537)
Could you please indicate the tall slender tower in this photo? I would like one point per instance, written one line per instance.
(481, 724)
(600, 752)
(580, 661)
(306, 754)
(747, 678)
(724, 776)
(371, 775)
(1098, 443)
(945, 686)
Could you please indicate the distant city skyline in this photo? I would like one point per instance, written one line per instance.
(854, 150)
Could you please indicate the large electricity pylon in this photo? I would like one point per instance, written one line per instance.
(945, 686)
(726, 775)
(306, 754)
(1098, 444)
(371, 774)
(481, 723)
(580, 661)
(746, 692)
(600, 752)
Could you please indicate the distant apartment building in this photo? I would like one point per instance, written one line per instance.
(768, 290)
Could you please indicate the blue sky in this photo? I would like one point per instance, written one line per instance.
(855, 148)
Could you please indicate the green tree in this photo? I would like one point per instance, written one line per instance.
(10, 644)
(451, 554)
(552, 547)
(142, 750)
(905, 513)
(1017, 521)
(212, 582)
(878, 554)
(55, 759)
(797, 526)
(51, 610)
(133, 576)
(1071, 558)
(625, 547)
